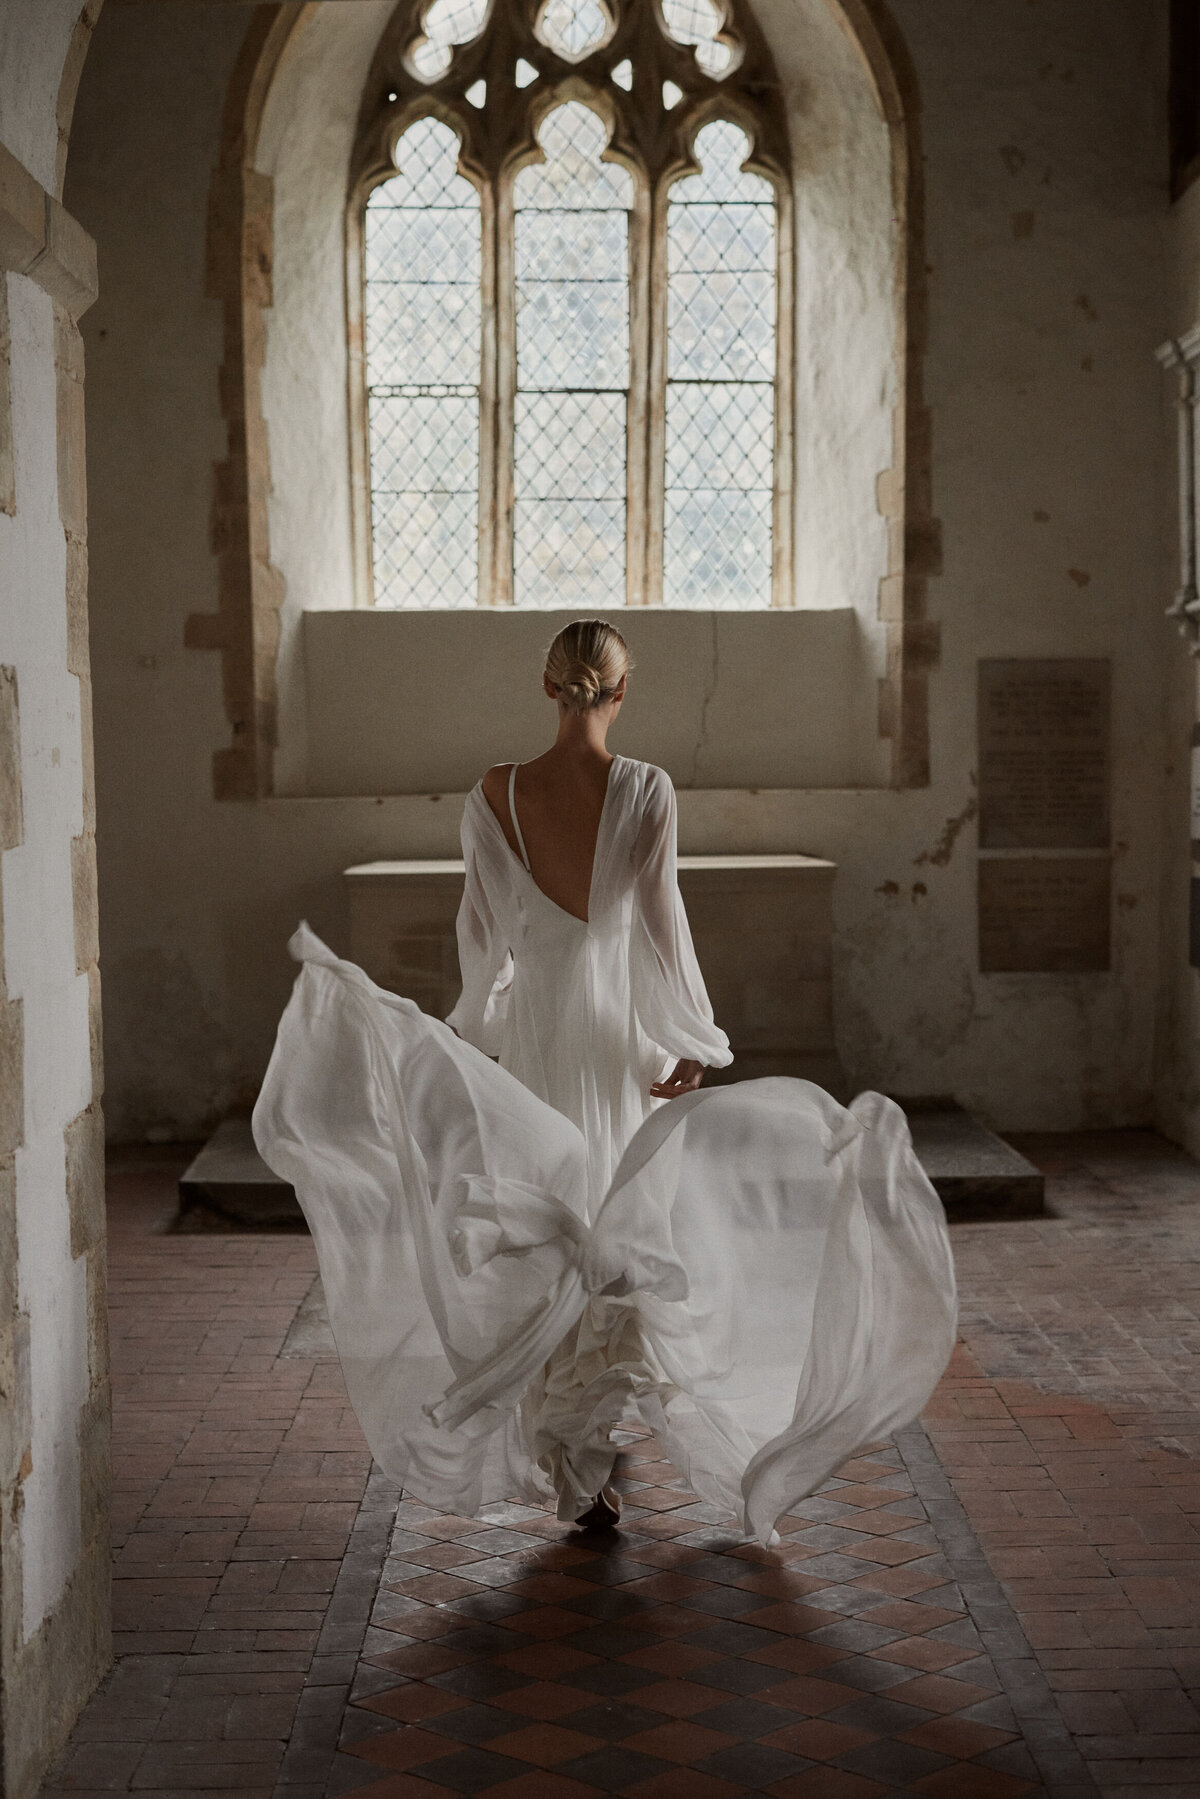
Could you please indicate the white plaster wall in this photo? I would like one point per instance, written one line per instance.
(846, 306)
(305, 146)
(39, 956)
(1044, 400)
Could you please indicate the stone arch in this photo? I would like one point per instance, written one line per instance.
(849, 84)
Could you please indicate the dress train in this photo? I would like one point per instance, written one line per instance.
(767, 1281)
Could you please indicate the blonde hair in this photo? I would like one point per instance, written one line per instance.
(587, 662)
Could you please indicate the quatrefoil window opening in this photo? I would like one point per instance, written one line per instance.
(570, 430)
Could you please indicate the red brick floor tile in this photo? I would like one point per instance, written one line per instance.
(401, 1749)
(680, 1741)
(677, 1698)
(967, 1780)
(818, 1739)
(794, 1654)
(960, 1737)
(409, 1704)
(672, 1659)
(403, 1786)
(541, 1700)
(931, 1657)
(544, 1743)
(826, 1783)
(683, 1783)
(939, 1693)
(542, 1785)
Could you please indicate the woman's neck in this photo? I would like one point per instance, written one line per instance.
(582, 735)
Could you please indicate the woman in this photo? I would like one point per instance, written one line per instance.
(518, 1257)
(577, 962)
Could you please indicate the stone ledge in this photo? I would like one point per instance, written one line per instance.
(41, 239)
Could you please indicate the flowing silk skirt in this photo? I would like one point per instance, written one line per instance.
(767, 1282)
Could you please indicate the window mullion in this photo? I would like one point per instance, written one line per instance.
(499, 497)
(488, 394)
(656, 409)
(782, 499)
(638, 452)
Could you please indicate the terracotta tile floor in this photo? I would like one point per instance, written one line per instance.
(1006, 1601)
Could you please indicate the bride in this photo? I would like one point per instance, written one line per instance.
(518, 1256)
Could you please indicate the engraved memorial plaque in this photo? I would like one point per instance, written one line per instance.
(1044, 914)
(1044, 754)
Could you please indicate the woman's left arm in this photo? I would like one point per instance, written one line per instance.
(669, 992)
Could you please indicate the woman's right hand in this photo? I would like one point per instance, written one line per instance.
(685, 1077)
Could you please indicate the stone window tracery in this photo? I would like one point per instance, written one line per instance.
(570, 277)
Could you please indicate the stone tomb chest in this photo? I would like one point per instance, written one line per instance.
(763, 928)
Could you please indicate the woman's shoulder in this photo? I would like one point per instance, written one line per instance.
(654, 783)
(492, 785)
(647, 774)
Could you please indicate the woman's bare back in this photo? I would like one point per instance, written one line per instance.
(560, 804)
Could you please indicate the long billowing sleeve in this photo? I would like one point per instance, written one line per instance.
(668, 989)
(484, 958)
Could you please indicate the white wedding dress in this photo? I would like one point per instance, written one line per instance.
(516, 1257)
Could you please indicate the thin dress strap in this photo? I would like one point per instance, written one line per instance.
(512, 813)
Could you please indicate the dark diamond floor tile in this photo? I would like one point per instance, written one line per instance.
(849, 1601)
(962, 1633)
(1009, 1758)
(346, 1773)
(367, 1682)
(477, 1639)
(739, 1677)
(609, 1570)
(897, 1764)
(837, 1567)
(613, 1721)
(856, 1634)
(752, 1766)
(995, 1711)
(356, 1726)
(732, 1638)
(870, 1673)
(723, 1570)
(470, 1770)
(612, 1770)
(479, 1680)
(747, 1718)
(494, 1603)
(471, 1723)
(609, 1640)
(609, 1604)
(887, 1717)
(609, 1678)
(726, 1602)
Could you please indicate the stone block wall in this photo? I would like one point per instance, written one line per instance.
(54, 1399)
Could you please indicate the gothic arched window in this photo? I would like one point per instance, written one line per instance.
(571, 272)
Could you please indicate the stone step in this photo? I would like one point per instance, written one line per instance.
(230, 1187)
(976, 1174)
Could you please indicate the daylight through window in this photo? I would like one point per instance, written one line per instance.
(574, 293)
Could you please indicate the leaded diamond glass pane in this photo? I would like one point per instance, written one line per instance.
(422, 266)
(573, 28)
(720, 387)
(572, 279)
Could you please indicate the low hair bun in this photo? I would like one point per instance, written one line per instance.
(581, 685)
(587, 662)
